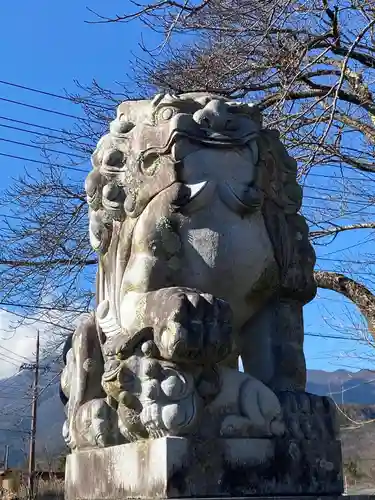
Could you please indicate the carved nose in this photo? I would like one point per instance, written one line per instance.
(214, 116)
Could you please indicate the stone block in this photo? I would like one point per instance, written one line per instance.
(175, 467)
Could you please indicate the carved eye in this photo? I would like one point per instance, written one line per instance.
(166, 113)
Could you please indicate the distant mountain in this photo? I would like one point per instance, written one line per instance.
(343, 386)
(15, 407)
(15, 414)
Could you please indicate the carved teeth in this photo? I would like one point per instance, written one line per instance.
(200, 196)
(195, 189)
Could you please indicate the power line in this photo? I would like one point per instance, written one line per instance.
(60, 113)
(361, 273)
(329, 190)
(84, 171)
(357, 202)
(49, 383)
(343, 214)
(16, 217)
(64, 167)
(38, 395)
(14, 430)
(344, 178)
(316, 187)
(12, 352)
(13, 397)
(338, 337)
(355, 245)
(109, 108)
(51, 94)
(13, 359)
(47, 308)
(51, 129)
(346, 261)
(9, 361)
(41, 134)
(2, 139)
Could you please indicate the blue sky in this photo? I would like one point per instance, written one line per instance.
(47, 45)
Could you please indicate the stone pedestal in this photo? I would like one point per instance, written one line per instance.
(175, 467)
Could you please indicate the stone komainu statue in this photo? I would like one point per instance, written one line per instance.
(202, 257)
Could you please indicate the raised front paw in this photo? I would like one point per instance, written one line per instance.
(195, 326)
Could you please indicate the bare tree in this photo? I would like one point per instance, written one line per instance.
(311, 67)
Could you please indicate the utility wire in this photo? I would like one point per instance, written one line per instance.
(12, 352)
(83, 311)
(76, 101)
(339, 337)
(64, 167)
(60, 113)
(326, 176)
(357, 202)
(14, 430)
(42, 134)
(345, 214)
(361, 273)
(330, 190)
(15, 360)
(49, 383)
(47, 308)
(8, 361)
(16, 217)
(57, 96)
(79, 136)
(346, 261)
(84, 171)
(51, 129)
(2, 139)
(38, 395)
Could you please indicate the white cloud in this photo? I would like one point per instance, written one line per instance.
(21, 340)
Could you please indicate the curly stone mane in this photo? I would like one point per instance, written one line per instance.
(287, 229)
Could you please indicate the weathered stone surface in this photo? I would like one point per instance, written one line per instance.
(203, 256)
(178, 467)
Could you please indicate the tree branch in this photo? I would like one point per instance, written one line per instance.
(338, 229)
(354, 291)
(48, 263)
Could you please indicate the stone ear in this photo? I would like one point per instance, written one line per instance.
(156, 100)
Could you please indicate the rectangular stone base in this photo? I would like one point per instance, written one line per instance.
(176, 467)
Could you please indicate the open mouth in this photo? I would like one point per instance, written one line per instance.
(199, 195)
(206, 137)
(195, 196)
(216, 138)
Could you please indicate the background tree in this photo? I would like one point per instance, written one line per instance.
(310, 66)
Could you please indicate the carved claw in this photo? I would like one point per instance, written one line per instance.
(308, 416)
(195, 327)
